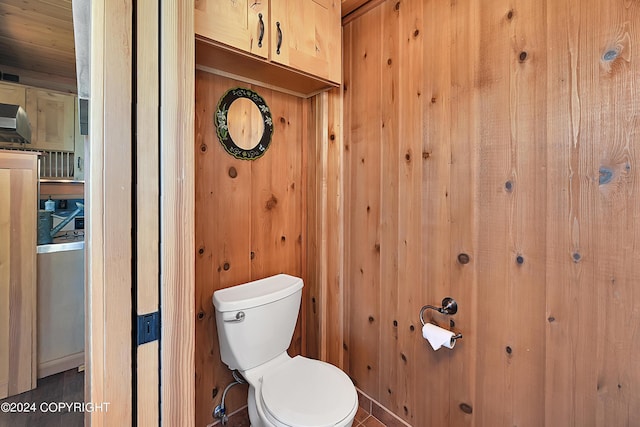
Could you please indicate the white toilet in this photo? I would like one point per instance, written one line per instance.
(255, 324)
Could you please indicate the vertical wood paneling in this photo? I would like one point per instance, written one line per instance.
(334, 289)
(276, 197)
(511, 192)
(463, 133)
(526, 198)
(592, 262)
(614, 98)
(494, 375)
(363, 275)
(525, 128)
(249, 223)
(391, 379)
(324, 219)
(571, 342)
(223, 242)
(409, 244)
(440, 111)
(347, 105)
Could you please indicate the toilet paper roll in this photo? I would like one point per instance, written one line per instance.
(437, 336)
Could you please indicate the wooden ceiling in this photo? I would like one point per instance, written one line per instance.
(36, 42)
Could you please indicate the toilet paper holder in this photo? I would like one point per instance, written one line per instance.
(449, 306)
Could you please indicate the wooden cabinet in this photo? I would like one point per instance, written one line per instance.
(301, 35)
(52, 117)
(18, 228)
(12, 94)
(242, 24)
(306, 35)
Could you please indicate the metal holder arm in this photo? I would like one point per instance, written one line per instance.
(449, 306)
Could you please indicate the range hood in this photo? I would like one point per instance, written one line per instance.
(14, 124)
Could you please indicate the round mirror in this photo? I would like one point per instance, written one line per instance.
(243, 122)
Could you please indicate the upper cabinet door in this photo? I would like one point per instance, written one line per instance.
(12, 94)
(52, 117)
(306, 35)
(243, 24)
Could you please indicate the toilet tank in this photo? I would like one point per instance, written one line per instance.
(256, 320)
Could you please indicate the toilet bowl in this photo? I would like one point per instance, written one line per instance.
(255, 323)
(303, 392)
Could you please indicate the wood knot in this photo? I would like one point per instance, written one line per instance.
(605, 175)
(201, 250)
(466, 408)
(416, 32)
(463, 258)
(371, 319)
(332, 137)
(203, 148)
(226, 266)
(520, 259)
(397, 6)
(233, 172)
(610, 55)
(426, 155)
(200, 315)
(271, 203)
(523, 56)
(510, 15)
(407, 156)
(389, 61)
(508, 186)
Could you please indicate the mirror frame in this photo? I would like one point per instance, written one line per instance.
(222, 128)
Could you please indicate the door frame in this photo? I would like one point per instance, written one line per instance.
(110, 208)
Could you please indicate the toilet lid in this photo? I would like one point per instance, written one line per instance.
(307, 392)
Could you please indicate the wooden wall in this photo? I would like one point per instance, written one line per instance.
(490, 155)
(250, 222)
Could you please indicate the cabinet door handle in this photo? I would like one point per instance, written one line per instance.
(260, 30)
(279, 38)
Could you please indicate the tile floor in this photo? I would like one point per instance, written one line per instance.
(369, 414)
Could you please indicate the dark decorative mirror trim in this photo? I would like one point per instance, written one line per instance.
(222, 129)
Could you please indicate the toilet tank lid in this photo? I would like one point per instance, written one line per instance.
(256, 293)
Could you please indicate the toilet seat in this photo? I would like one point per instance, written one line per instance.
(306, 392)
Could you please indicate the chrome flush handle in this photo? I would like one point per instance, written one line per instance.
(239, 318)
